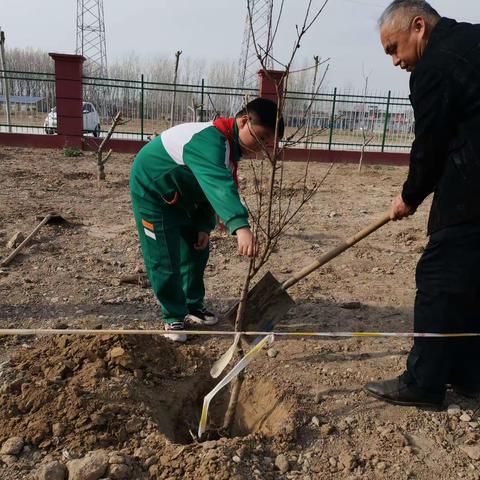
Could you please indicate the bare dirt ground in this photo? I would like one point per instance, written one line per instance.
(133, 401)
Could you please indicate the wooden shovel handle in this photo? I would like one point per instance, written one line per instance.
(385, 218)
(5, 262)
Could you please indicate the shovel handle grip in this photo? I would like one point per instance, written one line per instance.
(346, 244)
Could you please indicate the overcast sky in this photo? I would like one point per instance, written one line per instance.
(213, 29)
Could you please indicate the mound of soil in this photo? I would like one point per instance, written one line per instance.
(77, 394)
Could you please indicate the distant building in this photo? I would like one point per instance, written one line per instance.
(25, 104)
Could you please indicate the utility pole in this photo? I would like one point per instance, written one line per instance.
(172, 113)
(258, 29)
(5, 81)
(91, 36)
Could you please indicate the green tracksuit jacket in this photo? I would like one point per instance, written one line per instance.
(178, 182)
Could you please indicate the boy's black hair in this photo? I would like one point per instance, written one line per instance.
(262, 111)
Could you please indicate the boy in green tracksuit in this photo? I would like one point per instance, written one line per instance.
(178, 182)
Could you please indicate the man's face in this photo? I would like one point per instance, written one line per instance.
(405, 47)
(252, 137)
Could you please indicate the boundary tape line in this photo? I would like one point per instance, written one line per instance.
(53, 331)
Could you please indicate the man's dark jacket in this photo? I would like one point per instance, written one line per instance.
(445, 156)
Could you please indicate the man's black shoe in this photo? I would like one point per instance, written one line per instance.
(396, 391)
(467, 391)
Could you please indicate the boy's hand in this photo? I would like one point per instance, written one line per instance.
(202, 241)
(246, 242)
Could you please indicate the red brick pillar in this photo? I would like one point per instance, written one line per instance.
(69, 97)
(268, 79)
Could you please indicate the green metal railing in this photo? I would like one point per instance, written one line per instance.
(351, 121)
(27, 116)
(336, 120)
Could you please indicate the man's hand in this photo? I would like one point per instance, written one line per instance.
(246, 242)
(400, 209)
(202, 241)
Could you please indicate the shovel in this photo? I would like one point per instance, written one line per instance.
(268, 300)
(51, 217)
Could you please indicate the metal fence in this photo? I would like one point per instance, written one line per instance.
(345, 121)
(327, 120)
(151, 107)
(32, 96)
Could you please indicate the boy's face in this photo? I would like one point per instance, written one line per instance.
(252, 137)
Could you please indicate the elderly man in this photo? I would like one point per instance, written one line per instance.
(443, 57)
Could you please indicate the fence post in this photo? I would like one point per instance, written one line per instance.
(141, 106)
(6, 81)
(385, 126)
(69, 97)
(201, 100)
(271, 81)
(332, 118)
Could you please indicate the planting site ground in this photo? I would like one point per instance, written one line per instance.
(125, 407)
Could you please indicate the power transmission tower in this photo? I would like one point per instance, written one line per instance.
(91, 36)
(258, 30)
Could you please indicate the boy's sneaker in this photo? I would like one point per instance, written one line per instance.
(175, 337)
(201, 316)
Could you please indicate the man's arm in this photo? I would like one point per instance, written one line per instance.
(435, 114)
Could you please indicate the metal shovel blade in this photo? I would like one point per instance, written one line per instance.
(267, 303)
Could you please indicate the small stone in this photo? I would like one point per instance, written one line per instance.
(209, 445)
(58, 429)
(350, 420)
(381, 466)
(12, 446)
(236, 459)
(119, 471)
(318, 397)
(326, 429)
(151, 461)
(348, 461)
(98, 419)
(281, 462)
(316, 421)
(134, 425)
(473, 451)
(453, 409)
(272, 353)
(91, 467)
(16, 239)
(52, 471)
(144, 453)
(465, 418)
(116, 352)
(8, 459)
(332, 461)
(153, 471)
(116, 459)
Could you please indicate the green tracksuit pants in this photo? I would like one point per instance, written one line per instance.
(175, 269)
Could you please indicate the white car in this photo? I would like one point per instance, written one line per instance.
(91, 120)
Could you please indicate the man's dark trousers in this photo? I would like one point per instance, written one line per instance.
(447, 301)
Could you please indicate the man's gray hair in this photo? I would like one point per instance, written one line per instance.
(407, 9)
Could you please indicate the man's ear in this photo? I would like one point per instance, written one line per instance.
(418, 24)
